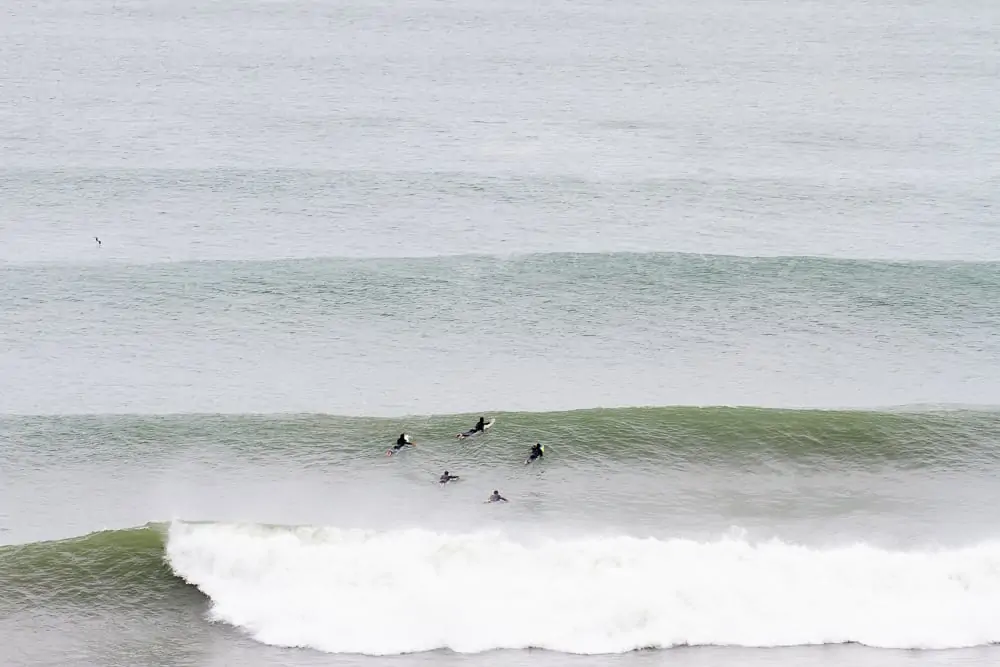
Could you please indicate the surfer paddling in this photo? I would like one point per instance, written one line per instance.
(496, 497)
(402, 441)
(480, 427)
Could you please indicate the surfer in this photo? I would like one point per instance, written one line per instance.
(496, 497)
(98, 241)
(537, 451)
(445, 478)
(402, 441)
(480, 427)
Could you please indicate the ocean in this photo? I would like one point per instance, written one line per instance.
(736, 265)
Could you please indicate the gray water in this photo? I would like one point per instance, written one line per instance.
(322, 224)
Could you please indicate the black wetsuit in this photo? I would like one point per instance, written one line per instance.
(445, 478)
(401, 442)
(536, 453)
(480, 425)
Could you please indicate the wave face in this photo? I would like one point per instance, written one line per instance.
(728, 435)
(675, 434)
(123, 569)
(339, 590)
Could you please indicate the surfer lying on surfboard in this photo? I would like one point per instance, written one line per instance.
(480, 427)
(402, 441)
(537, 452)
(496, 497)
(445, 478)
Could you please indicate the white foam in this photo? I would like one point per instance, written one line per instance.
(383, 593)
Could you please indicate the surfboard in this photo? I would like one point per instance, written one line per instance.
(390, 452)
(471, 432)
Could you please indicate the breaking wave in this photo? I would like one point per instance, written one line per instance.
(405, 591)
(382, 593)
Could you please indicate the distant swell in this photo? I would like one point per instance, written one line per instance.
(341, 591)
(458, 334)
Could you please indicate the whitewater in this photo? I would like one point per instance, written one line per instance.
(385, 593)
